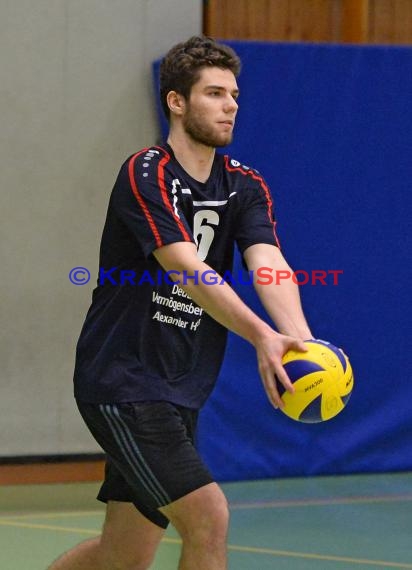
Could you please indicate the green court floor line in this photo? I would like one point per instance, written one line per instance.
(49, 527)
(48, 515)
(315, 556)
(320, 502)
(233, 547)
(238, 506)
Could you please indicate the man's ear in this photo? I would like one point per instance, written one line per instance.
(176, 103)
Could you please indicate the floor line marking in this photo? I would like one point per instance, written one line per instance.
(233, 547)
(320, 502)
(51, 515)
(235, 506)
(316, 556)
(49, 527)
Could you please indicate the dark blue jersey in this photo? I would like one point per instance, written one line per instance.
(143, 337)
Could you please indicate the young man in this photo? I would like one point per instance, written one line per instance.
(154, 337)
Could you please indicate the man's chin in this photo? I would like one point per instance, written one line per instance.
(211, 140)
(225, 141)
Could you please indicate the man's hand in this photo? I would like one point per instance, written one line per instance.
(269, 351)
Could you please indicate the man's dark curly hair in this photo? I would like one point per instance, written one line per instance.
(180, 68)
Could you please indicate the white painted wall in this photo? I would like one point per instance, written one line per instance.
(76, 99)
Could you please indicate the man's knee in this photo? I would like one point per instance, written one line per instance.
(211, 530)
(202, 516)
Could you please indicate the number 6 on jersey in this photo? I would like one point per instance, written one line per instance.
(203, 231)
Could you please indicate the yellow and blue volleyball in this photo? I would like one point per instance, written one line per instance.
(323, 382)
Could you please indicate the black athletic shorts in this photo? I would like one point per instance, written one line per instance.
(151, 458)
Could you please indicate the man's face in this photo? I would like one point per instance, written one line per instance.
(210, 113)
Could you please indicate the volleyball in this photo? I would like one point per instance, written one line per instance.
(323, 382)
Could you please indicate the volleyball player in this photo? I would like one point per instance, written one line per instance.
(153, 340)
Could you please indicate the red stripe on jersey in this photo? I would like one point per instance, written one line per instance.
(166, 201)
(265, 189)
(142, 203)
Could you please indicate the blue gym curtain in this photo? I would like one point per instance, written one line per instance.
(330, 129)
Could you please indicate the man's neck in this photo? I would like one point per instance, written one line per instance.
(195, 158)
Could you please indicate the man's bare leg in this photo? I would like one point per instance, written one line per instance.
(128, 542)
(201, 518)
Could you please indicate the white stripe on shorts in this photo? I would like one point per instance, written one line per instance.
(132, 454)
